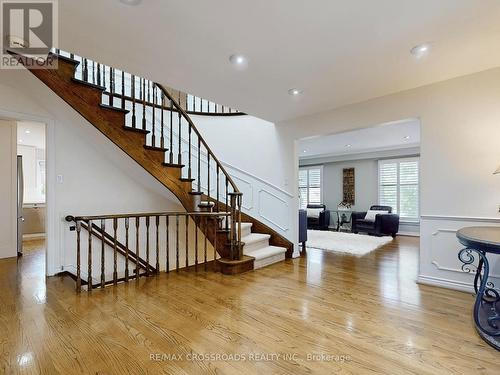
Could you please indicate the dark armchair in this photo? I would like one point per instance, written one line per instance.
(322, 222)
(384, 224)
(303, 230)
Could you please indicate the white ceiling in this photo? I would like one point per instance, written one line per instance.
(337, 51)
(379, 138)
(31, 134)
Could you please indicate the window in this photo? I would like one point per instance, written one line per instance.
(399, 187)
(310, 180)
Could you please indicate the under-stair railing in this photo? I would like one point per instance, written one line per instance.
(131, 239)
(155, 110)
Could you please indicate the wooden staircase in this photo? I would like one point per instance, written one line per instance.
(150, 125)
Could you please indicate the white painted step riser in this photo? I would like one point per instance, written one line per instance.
(259, 263)
(248, 248)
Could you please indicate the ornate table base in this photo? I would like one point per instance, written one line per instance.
(487, 305)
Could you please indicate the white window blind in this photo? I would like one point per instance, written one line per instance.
(310, 185)
(399, 187)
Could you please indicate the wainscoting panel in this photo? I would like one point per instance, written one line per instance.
(264, 201)
(439, 247)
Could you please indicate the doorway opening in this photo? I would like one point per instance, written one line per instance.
(360, 189)
(31, 189)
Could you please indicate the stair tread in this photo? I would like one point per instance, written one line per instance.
(156, 148)
(173, 165)
(107, 106)
(255, 237)
(266, 252)
(137, 130)
(82, 82)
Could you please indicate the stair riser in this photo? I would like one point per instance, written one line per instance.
(248, 248)
(269, 260)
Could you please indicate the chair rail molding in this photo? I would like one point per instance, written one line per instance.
(439, 247)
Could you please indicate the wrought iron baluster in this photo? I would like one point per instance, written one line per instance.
(157, 244)
(115, 251)
(143, 104)
(78, 260)
(171, 155)
(153, 139)
(187, 239)
(89, 258)
(99, 75)
(167, 235)
(103, 230)
(199, 163)
(208, 175)
(189, 151)
(179, 156)
(93, 72)
(123, 89)
(218, 185)
(147, 245)
(127, 225)
(162, 106)
(85, 70)
(205, 241)
(196, 244)
(133, 101)
(177, 242)
(137, 225)
(214, 221)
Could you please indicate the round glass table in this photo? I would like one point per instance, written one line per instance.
(479, 242)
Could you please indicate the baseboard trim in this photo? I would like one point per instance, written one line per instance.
(409, 234)
(445, 283)
(33, 236)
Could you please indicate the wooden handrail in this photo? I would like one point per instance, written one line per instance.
(166, 108)
(209, 151)
(153, 247)
(146, 214)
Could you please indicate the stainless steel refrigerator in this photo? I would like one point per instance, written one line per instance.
(20, 199)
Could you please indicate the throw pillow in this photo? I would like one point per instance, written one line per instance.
(371, 214)
(314, 212)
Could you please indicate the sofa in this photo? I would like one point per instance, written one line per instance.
(385, 224)
(318, 217)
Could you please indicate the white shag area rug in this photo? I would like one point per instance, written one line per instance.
(346, 243)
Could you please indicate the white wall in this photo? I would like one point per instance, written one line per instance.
(8, 190)
(98, 178)
(460, 120)
(250, 150)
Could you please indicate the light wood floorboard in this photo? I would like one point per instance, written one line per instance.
(367, 313)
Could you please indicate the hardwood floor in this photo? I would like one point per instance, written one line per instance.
(367, 314)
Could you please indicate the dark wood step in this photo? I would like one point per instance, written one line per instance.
(107, 106)
(183, 179)
(173, 165)
(82, 82)
(155, 148)
(195, 193)
(137, 130)
(233, 267)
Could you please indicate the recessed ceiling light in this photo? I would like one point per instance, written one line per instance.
(348, 145)
(421, 50)
(239, 61)
(27, 131)
(131, 2)
(304, 151)
(407, 137)
(295, 92)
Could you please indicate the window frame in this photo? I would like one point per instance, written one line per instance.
(398, 161)
(307, 168)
